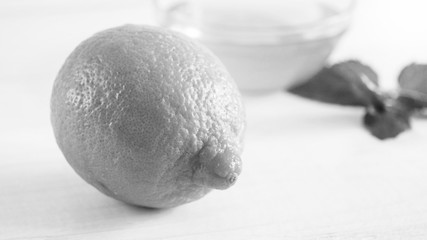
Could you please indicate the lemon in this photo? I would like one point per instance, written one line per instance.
(148, 117)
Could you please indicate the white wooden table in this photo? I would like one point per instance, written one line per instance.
(310, 170)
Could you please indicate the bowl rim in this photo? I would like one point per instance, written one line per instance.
(221, 32)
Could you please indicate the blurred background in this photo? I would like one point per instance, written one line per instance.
(36, 36)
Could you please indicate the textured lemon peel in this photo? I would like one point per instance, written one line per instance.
(143, 153)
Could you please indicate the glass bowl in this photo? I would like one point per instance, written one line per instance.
(266, 45)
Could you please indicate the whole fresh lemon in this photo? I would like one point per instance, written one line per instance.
(148, 117)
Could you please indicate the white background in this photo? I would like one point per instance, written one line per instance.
(310, 170)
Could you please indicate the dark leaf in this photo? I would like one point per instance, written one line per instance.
(389, 123)
(414, 103)
(413, 88)
(413, 78)
(352, 83)
(348, 83)
(363, 80)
